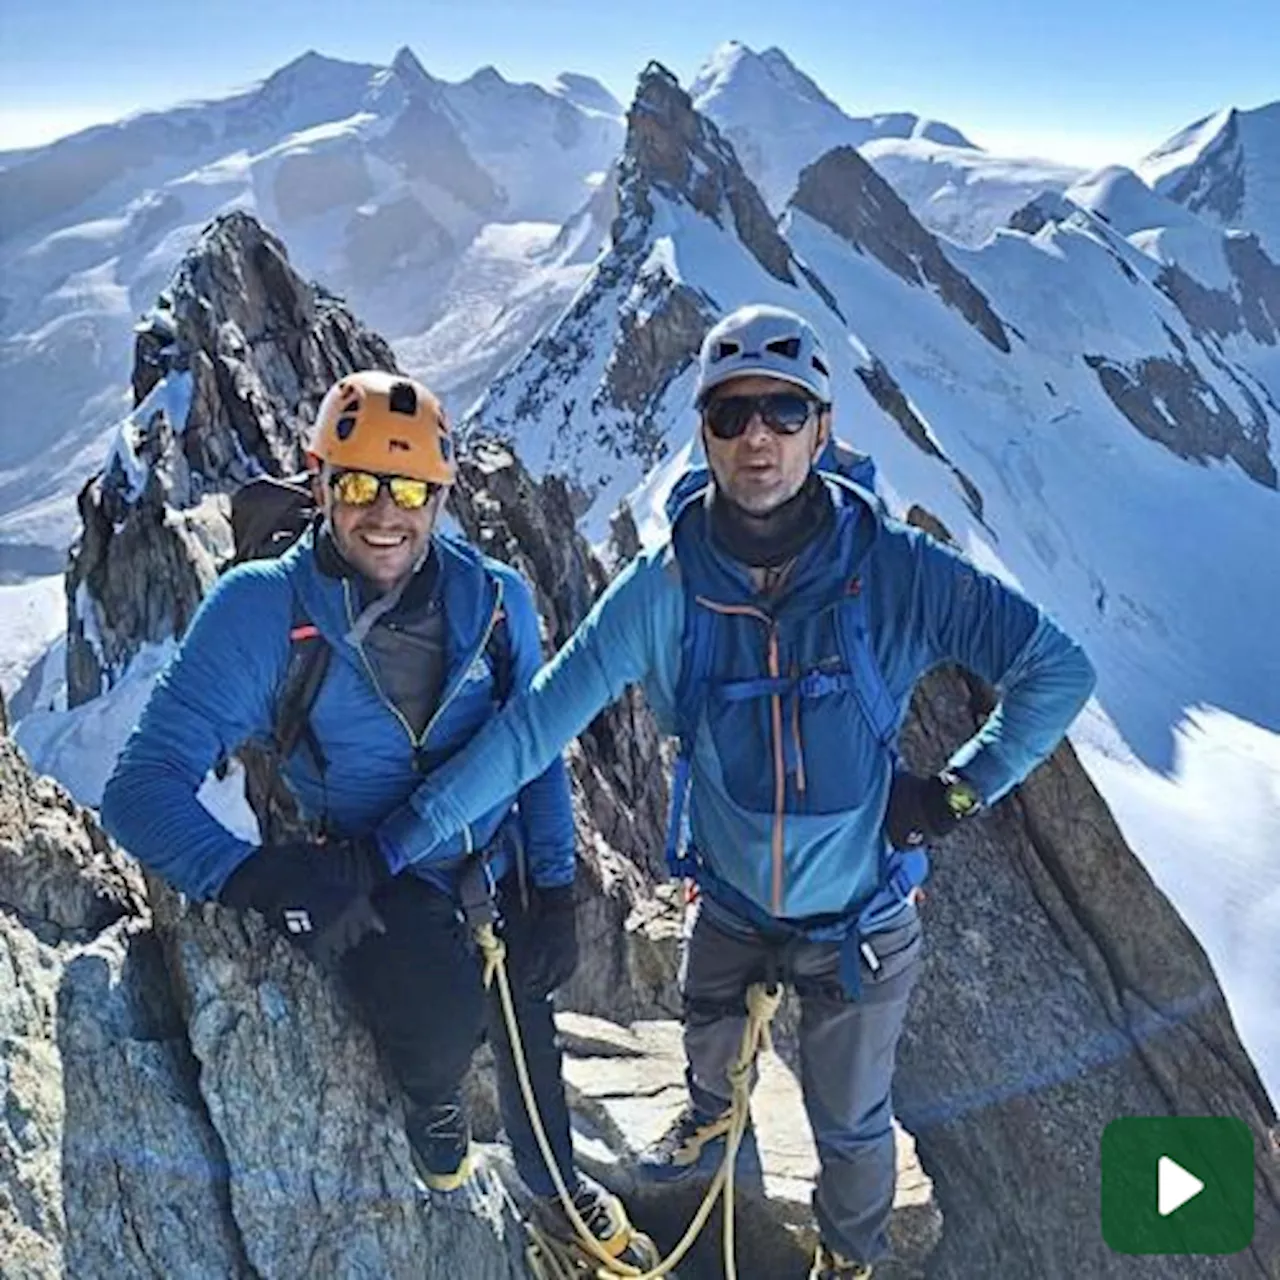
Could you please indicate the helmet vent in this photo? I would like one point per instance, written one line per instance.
(726, 349)
(821, 368)
(788, 347)
(403, 398)
(352, 406)
(345, 427)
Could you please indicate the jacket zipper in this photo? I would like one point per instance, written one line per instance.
(417, 741)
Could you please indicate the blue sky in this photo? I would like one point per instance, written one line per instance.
(1092, 81)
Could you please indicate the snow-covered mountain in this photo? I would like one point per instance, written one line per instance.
(418, 199)
(1226, 168)
(963, 193)
(778, 120)
(1081, 426)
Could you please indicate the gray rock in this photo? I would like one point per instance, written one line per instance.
(1091, 1000)
(191, 1098)
(674, 147)
(628, 1084)
(1040, 211)
(843, 192)
(1168, 401)
(1250, 306)
(108, 1165)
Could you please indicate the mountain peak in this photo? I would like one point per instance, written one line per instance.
(312, 70)
(587, 93)
(779, 120)
(409, 70)
(1226, 168)
(736, 67)
(787, 74)
(487, 77)
(674, 148)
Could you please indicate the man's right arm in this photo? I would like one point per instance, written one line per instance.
(215, 694)
(615, 645)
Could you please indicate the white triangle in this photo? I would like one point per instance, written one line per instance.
(1174, 1186)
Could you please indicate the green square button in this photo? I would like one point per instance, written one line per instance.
(1177, 1184)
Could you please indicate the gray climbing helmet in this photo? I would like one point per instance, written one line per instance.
(769, 341)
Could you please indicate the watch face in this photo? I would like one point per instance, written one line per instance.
(962, 799)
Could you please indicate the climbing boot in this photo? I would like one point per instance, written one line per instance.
(694, 1143)
(604, 1217)
(440, 1143)
(830, 1265)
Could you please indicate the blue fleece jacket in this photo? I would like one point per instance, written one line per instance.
(219, 692)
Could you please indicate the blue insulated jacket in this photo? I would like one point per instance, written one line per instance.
(219, 692)
(924, 605)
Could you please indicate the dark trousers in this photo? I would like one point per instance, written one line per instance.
(419, 988)
(847, 1052)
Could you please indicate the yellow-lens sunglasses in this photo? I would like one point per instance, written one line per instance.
(361, 489)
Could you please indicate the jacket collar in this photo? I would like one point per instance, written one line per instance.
(822, 572)
(455, 574)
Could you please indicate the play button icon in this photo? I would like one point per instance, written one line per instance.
(1174, 1186)
(1177, 1184)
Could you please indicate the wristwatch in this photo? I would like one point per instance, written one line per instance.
(962, 797)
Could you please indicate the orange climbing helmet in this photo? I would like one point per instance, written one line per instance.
(384, 423)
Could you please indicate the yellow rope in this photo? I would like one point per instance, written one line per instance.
(762, 1004)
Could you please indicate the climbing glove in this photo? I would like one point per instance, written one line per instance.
(317, 895)
(924, 810)
(544, 938)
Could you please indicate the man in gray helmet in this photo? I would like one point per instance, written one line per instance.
(779, 633)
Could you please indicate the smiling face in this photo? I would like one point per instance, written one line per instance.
(382, 541)
(760, 469)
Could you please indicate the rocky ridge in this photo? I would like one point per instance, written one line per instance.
(843, 192)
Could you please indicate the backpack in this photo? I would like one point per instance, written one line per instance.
(268, 515)
(901, 870)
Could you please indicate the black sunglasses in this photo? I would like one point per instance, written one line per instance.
(783, 412)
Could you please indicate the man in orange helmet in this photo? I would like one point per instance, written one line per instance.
(368, 653)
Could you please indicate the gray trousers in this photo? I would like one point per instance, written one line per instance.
(846, 1056)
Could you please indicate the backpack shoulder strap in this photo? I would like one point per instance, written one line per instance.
(501, 658)
(869, 685)
(309, 655)
(697, 650)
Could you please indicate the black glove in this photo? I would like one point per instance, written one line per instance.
(921, 810)
(317, 895)
(544, 941)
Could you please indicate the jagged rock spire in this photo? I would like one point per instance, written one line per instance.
(671, 146)
(230, 366)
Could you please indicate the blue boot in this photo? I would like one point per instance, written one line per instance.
(694, 1143)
